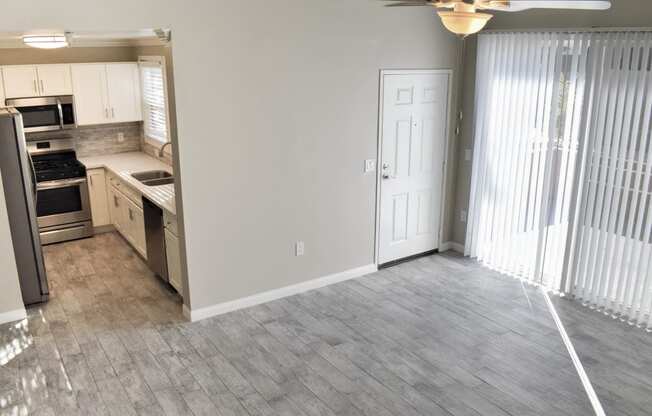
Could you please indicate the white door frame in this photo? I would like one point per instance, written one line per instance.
(379, 144)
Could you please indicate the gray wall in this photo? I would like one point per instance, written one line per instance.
(624, 13)
(276, 109)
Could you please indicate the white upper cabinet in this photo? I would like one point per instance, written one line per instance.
(21, 81)
(89, 89)
(37, 80)
(2, 90)
(54, 79)
(106, 93)
(123, 85)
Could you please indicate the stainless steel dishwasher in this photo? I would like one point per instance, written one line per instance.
(155, 238)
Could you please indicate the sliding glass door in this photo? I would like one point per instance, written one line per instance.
(561, 179)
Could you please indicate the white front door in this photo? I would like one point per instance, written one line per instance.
(413, 146)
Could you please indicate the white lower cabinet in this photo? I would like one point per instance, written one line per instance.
(126, 214)
(98, 197)
(136, 227)
(117, 202)
(174, 260)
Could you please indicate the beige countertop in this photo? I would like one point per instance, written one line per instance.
(124, 164)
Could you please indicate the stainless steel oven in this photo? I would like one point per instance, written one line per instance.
(45, 113)
(63, 210)
(62, 202)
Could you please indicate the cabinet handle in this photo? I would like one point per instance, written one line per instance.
(42, 88)
(131, 215)
(115, 200)
(35, 87)
(112, 113)
(90, 178)
(106, 112)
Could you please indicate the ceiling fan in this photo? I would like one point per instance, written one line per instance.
(463, 18)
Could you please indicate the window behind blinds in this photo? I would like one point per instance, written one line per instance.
(154, 100)
(561, 191)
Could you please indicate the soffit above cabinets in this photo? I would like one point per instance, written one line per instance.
(141, 37)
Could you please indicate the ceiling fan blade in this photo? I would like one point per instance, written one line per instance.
(520, 5)
(409, 3)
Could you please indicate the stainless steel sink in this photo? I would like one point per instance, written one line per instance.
(159, 181)
(154, 177)
(151, 174)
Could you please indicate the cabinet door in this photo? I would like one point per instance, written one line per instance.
(54, 79)
(89, 89)
(98, 197)
(136, 226)
(117, 208)
(21, 81)
(123, 85)
(2, 90)
(174, 260)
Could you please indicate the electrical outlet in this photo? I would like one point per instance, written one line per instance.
(299, 248)
(463, 215)
(369, 165)
(467, 155)
(121, 137)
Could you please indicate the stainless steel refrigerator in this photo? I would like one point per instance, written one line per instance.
(20, 195)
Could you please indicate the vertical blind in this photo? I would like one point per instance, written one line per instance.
(154, 99)
(561, 186)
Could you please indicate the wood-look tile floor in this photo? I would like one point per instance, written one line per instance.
(435, 336)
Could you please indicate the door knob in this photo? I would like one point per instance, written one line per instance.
(385, 171)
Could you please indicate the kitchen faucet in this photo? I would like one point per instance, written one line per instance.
(160, 150)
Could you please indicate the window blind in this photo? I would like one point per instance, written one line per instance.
(561, 190)
(154, 101)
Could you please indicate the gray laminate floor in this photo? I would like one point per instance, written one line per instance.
(436, 336)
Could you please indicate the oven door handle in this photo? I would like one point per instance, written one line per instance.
(60, 184)
(60, 113)
(33, 172)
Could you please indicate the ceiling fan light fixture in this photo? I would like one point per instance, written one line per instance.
(464, 23)
(46, 41)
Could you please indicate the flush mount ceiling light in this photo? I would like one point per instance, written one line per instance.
(46, 41)
(463, 18)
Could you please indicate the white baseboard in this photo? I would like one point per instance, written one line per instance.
(202, 313)
(451, 245)
(15, 315)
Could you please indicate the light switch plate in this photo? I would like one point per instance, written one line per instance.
(463, 215)
(121, 137)
(369, 165)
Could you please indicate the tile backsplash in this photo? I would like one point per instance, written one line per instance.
(99, 140)
(106, 139)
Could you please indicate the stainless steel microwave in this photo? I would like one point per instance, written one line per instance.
(45, 113)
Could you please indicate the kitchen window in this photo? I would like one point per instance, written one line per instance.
(155, 100)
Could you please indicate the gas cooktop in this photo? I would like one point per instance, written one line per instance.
(57, 166)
